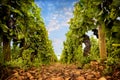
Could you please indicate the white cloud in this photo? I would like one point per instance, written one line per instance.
(67, 15)
(55, 16)
(59, 19)
(73, 3)
(50, 6)
(53, 25)
(57, 42)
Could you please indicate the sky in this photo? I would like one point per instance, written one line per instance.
(56, 15)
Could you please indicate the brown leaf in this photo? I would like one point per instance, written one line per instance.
(77, 72)
(108, 77)
(97, 74)
(80, 78)
(101, 68)
(102, 78)
(28, 74)
(90, 76)
(67, 78)
(57, 78)
(16, 74)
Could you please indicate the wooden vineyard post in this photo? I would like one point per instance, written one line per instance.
(102, 43)
(6, 49)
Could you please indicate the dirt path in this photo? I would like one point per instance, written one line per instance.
(58, 71)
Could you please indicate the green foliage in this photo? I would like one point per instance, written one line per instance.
(113, 53)
(94, 52)
(20, 63)
(111, 65)
(79, 25)
(72, 52)
(15, 52)
(26, 30)
(87, 16)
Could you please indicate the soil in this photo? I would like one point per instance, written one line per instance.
(58, 71)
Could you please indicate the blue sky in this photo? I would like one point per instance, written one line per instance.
(56, 14)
